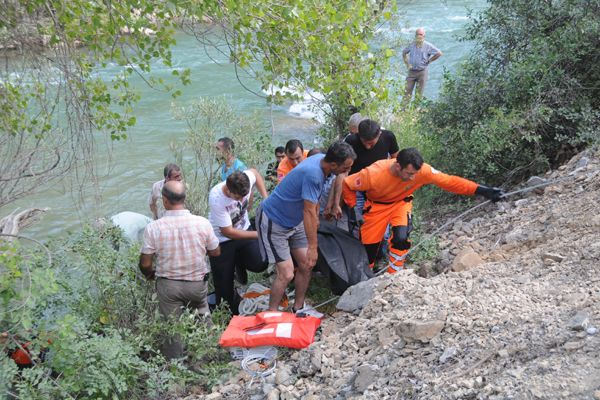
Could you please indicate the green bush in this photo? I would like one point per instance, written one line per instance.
(528, 95)
(98, 321)
(207, 120)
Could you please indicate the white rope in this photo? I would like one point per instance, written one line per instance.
(254, 305)
(251, 306)
(260, 362)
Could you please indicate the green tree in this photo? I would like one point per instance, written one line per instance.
(53, 98)
(320, 48)
(528, 96)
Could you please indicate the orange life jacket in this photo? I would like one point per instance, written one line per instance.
(270, 328)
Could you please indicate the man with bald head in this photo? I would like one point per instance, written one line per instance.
(417, 57)
(179, 241)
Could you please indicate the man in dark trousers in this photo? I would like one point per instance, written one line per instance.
(228, 204)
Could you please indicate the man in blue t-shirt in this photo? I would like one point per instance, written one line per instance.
(287, 221)
(226, 156)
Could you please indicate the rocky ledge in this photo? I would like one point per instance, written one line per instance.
(514, 313)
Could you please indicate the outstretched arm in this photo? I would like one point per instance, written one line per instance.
(237, 234)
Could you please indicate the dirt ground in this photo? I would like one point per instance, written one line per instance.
(514, 314)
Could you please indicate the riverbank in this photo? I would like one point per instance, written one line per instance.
(515, 315)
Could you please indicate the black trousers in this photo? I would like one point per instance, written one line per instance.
(234, 253)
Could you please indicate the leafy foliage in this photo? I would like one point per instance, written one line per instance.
(60, 99)
(321, 49)
(52, 97)
(528, 95)
(95, 318)
(207, 120)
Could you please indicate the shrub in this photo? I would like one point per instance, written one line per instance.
(528, 95)
(98, 321)
(207, 120)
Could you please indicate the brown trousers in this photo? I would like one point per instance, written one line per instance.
(415, 77)
(173, 297)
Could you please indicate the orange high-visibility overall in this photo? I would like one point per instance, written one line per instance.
(389, 201)
(285, 166)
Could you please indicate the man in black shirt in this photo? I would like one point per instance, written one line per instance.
(370, 144)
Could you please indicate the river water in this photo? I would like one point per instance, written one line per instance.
(128, 168)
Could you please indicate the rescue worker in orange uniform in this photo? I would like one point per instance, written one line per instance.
(389, 185)
(294, 155)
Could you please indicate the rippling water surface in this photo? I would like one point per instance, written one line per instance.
(127, 169)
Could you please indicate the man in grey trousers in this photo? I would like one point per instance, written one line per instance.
(180, 242)
(417, 57)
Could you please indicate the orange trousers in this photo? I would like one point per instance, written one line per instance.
(377, 217)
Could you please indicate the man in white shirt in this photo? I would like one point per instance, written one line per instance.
(171, 172)
(228, 204)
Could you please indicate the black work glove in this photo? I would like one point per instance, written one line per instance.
(402, 244)
(356, 216)
(400, 240)
(491, 193)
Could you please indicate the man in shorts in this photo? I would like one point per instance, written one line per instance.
(287, 221)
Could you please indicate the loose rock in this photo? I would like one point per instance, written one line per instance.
(579, 322)
(465, 260)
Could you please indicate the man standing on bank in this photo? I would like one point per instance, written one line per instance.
(417, 57)
(228, 204)
(171, 172)
(287, 221)
(180, 242)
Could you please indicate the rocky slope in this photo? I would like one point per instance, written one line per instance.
(514, 316)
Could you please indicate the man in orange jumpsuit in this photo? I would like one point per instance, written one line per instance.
(294, 155)
(389, 185)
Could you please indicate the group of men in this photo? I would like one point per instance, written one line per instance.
(372, 186)
(363, 181)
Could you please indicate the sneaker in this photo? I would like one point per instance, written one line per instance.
(299, 310)
(307, 311)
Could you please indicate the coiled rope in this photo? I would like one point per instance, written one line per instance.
(256, 299)
(259, 362)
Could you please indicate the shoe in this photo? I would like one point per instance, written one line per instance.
(299, 310)
(307, 311)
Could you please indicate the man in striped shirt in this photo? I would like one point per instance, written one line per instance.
(180, 242)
